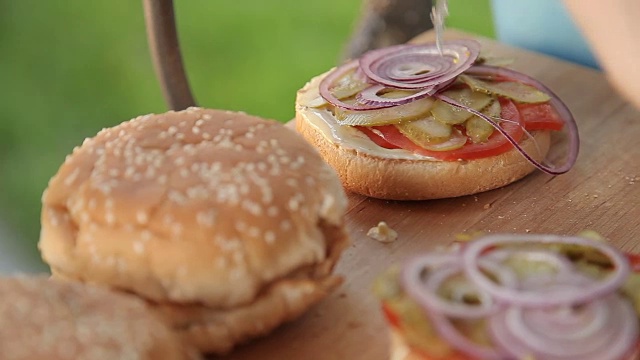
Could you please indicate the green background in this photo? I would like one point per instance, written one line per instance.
(69, 68)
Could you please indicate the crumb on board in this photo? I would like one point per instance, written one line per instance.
(383, 233)
(487, 206)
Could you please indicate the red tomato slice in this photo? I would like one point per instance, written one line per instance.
(540, 117)
(634, 262)
(497, 144)
(379, 140)
(391, 316)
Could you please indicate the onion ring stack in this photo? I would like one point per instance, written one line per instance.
(558, 311)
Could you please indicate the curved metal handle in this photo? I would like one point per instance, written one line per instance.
(165, 51)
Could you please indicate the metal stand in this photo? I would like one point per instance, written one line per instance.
(165, 51)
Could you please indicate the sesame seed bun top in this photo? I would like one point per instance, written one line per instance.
(203, 206)
(46, 319)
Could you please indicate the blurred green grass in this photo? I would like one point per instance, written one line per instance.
(69, 68)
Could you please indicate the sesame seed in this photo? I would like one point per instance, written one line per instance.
(129, 171)
(142, 217)
(254, 231)
(240, 226)
(176, 229)
(138, 247)
(285, 225)
(110, 218)
(68, 181)
(206, 218)
(272, 211)
(270, 237)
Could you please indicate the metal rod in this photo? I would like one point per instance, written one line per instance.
(165, 51)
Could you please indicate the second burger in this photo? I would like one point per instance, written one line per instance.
(227, 223)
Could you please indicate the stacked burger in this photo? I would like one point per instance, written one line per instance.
(218, 226)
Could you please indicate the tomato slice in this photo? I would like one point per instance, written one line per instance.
(634, 262)
(495, 145)
(540, 117)
(379, 140)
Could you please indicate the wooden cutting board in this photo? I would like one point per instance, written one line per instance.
(601, 193)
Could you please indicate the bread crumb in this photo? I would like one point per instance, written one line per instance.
(487, 206)
(383, 233)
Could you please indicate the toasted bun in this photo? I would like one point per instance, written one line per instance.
(199, 207)
(46, 319)
(391, 178)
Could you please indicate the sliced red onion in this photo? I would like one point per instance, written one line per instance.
(474, 251)
(370, 96)
(559, 106)
(425, 290)
(460, 342)
(560, 263)
(337, 74)
(419, 66)
(606, 328)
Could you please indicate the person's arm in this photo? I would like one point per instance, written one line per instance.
(613, 30)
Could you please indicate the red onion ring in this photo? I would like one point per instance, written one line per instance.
(603, 329)
(369, 96)
(335, 75)
(559, 106)
(443, 267)
(473, 251)
(395, 66)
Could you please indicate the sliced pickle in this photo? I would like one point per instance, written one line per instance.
(392, 115)
(348, 85)
(478, 129)
(425, 131)
(511, 89)
(310, 97)
(456, 141)
(452, 115)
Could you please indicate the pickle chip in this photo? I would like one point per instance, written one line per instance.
(510, 89)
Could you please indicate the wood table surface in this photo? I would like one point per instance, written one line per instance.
(601, 193)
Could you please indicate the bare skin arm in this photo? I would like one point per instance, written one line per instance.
(613, 30)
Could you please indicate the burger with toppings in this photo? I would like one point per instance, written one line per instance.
(515, 297)
(412, 122)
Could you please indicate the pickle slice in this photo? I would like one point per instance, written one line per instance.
(478, 129)
(452, 115)
(391, 115)
(510, 89)
(427, 131)
(456, 141)
(348, 85)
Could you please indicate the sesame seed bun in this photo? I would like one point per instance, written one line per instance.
(382, 174)
(199, 209)
(46, 319)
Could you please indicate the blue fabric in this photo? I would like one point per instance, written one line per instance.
(543, 26)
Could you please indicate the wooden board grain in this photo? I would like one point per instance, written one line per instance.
(601, 193)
